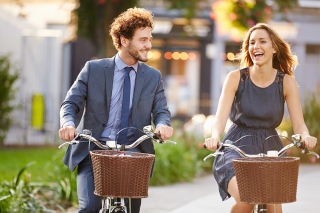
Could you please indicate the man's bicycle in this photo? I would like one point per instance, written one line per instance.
(266, 178)
(118, 173)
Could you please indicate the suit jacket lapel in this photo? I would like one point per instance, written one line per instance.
(138, 86)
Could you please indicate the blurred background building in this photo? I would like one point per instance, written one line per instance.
(192, 56)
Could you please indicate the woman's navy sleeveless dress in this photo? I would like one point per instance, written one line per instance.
(255, 111)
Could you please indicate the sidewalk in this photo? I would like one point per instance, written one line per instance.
(202, 195)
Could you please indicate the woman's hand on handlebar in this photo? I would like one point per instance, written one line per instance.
(212, 143)
(165, 132)
(67, 133)
(309, 141)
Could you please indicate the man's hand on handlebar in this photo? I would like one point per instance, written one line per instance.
(67, 133)
(164, 132)
(212, 143)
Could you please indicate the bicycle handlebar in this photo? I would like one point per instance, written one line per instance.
(148, 130)
(295, 141)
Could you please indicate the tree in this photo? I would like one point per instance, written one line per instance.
(235, 17)
(92, 19)
(8, 76)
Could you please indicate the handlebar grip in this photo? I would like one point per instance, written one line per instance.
(157, 137)
(205, 146)
(303, 148)
(77, 137)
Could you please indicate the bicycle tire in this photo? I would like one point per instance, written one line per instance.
(119, 210)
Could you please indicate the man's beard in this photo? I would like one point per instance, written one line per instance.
(135, 55)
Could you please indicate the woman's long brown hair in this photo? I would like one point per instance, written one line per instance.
(283, 59)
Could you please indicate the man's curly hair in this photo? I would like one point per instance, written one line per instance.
(128, 22)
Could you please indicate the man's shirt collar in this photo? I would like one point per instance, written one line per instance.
(121, 65)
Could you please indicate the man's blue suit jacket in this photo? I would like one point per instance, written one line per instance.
(92, 90)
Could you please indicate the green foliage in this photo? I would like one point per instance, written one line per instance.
(8, 76)
(23, 195)
(182, 162)
(285, 127)
(190, 7)
(89, 14)
(236, 17)
(48, 168)
(93, 18)
(14, 158)
(85, 17)
(60, 174)
(311, 114)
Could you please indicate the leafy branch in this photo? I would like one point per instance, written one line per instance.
(235, 17)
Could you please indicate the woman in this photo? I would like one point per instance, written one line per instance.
(254, 98)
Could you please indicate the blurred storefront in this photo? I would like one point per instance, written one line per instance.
(179, 52)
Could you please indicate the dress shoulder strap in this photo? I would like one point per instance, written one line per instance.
(244, 74)
(280, 76)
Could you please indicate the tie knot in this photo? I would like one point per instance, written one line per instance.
(128, 69)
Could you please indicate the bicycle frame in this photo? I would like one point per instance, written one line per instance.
(112, 204)
(295, 142)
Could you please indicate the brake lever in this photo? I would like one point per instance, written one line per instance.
(157, 137)
(297, 141)
(69, 143)
(216, 153)
(303, 148)
(75, 140)
(148, 130)
(219, 151)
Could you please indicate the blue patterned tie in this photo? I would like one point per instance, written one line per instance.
(125, 111)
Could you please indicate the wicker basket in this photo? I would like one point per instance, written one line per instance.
(121, 176)
(267, 180)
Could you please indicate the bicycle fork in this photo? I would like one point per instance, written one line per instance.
(260, 208)
(113, 205)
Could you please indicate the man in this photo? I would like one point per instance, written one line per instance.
(100, 87)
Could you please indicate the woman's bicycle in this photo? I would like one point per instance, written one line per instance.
(266, 178)
(113, 165)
